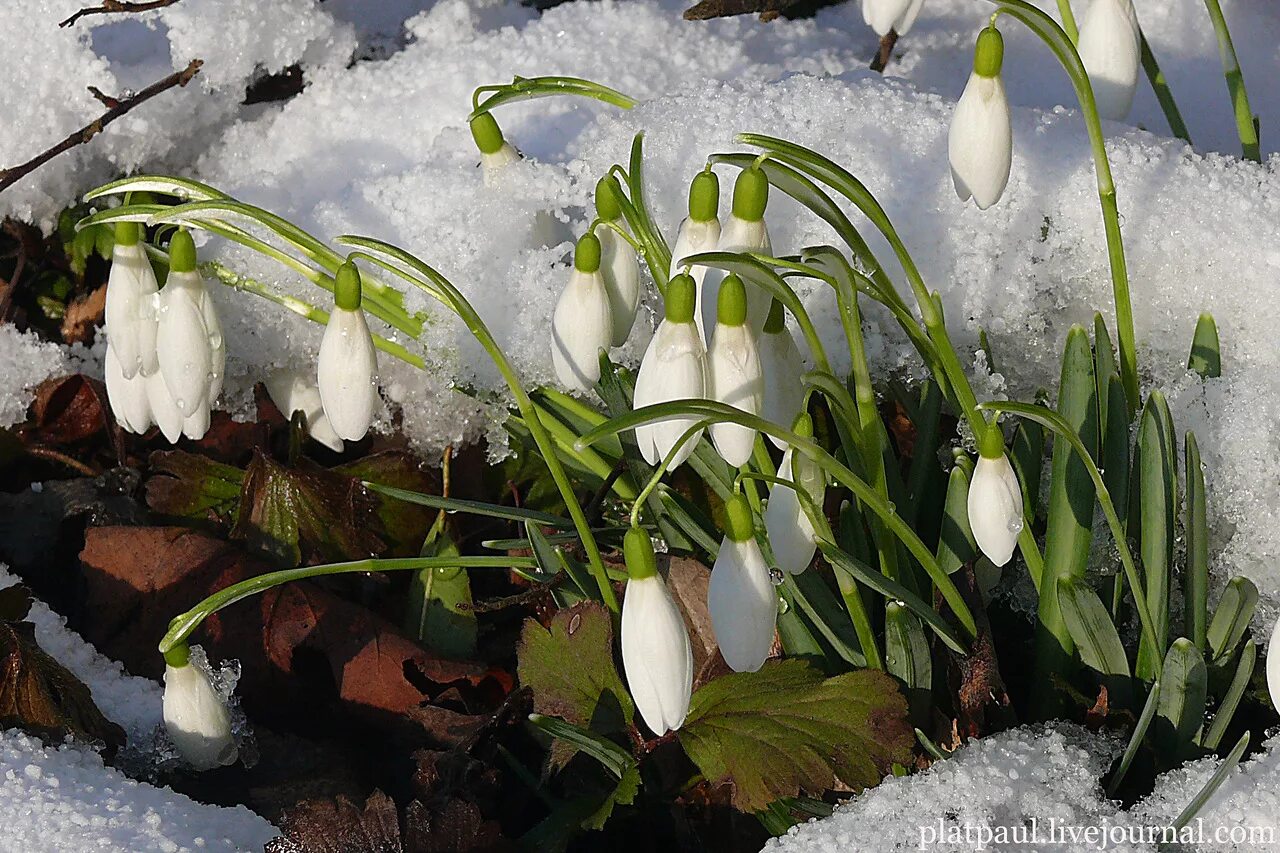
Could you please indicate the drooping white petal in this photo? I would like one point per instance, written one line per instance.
(217, 347)
(620, 267)
(734, 377)
(743, 605)
(164, 411)
(885, 15)
(293, 391)
(128, 397)
(781, 365)
(197, 718)
(656, 654)
(738, 235)
(980, 142)
(130, 310)
(183, 348)
(346, 371)
(196, 424)
(995, 508)
(1273, 667)
(1110, 47)
(581, 326)
(791, 534)
(674, 367)
(493, 164)
(695, 237)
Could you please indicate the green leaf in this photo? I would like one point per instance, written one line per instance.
(1231, 619)
(1231, 700)
(620, 764)
(1180, 713)
(1206, 352)
(956, 545)
(187, 485)
(1135, 739)
(1195, 604)
(1091, 628)
(438, 612)
(786, 730)
(1193, 808)
(1157, 499)
(404, 524)
(907, 655)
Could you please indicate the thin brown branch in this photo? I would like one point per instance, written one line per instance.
(111, 7)
(708, 9)
(881, 60)
(8, 177)
(51, 455)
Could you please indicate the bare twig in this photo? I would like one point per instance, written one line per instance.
(51, 455)
(110, 7)
(881, 60)
(708, 9)
(8, 177)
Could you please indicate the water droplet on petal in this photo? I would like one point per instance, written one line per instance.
(776, 576)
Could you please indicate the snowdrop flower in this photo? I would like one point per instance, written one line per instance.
(293, 391)
(583, 321)
(1273, 667)
(734, 374)
(995, 500)
(885, 15)
(495, 152)
(619, 263)
(127, 397)
(184, 341)
(164, 411)
(1110, 47)
(745, 231)
(195, 714)
(656, 654)
(980, 143)
(674, 367)
(791, 534)
(347, 367)
(130, 310)
(741, 598)
(781, 365)
(699, 232)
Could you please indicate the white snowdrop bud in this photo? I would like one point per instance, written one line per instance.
(699, 232)
(619, 263)
(734, 374)
(1273, 667)
(791, 533)
(347, 366)
(656, 654)
(495, 152)
(995, 500)
(164, 411)
(130, 309)
(740, 596)
(293, 391)
(745, 231)
(674, 367)
(196, 424)
(184, 350)
(195, 714)
(980, 142)
(1110, 47)
(885, 15)
(128, 397)
(582, 324)
(781, 365)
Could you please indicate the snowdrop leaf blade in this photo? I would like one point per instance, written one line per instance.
(907, 656)
(956, 545)
(1157, 499)
(1221, 775)
(1184, 680)
(1091, 627)
(1196, 577)
(1235, 692)
(1232, 617)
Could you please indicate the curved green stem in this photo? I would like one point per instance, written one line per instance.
(526, 88)
(1068, 20)
(685, 437)
(1164, 95)
(1246, 124)
(184, 623)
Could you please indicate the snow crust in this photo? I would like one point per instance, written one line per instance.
(25, 362)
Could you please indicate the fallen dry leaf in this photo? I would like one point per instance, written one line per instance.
(83, 317)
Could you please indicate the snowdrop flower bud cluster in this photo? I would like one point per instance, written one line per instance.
(699, 232)
(295, 391)
(196, 715)
(495, 151)
(1110, 47)
(347, 366)
(791, 534)
(885, 15)
(781, 365)
(582, 324)
(741, 597)
(619, 263)
(995, 500)
(165, 351)
(656, 654)
(674, 367)
(745, 231)
(980, 143)
(734, 374)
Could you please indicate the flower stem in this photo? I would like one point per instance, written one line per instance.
(1246, 126)
(1163, 93)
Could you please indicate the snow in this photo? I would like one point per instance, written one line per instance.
(25, 362)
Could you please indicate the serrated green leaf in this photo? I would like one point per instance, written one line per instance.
(786, 730)
(187, 485)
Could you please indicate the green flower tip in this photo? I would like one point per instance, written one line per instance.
(346, 287)
(704, 196)
(586, 258)
(182, 252)
(803, 425)
(992, 444)
(731, 304)
(637, 549)
(680, 300)
(128, 233)
(608, 191)
(740, 525)
(487, 134)
(777, 319)
(750, 194)
(177, 656)
(988, 55)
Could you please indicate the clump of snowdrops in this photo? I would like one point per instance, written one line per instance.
(830, 542)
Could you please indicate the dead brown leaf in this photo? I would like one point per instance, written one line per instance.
(83, 317)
